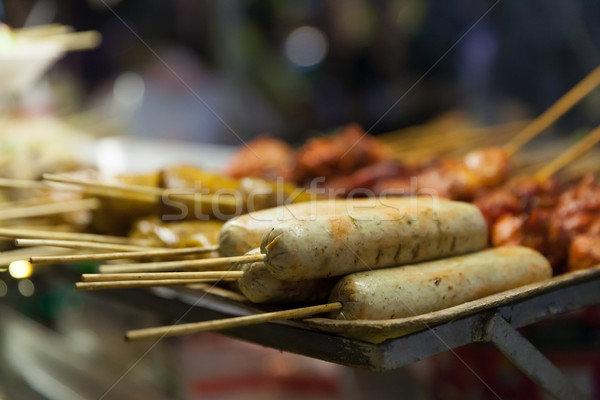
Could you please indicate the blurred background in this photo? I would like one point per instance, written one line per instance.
(196, 70)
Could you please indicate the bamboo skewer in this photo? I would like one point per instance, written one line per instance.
(151, 190)
(569, 155)
(31, 201)
(58, 33)
(154, 192)
(98, 188)
(50, 185)
(41, 30)
(211, 289)
(141, 283)
(75, 41)
(22, 184)
(183, 264)
(561, 106)
(70, 186)
(442, 136)
(228, 323)
(6, 257)
(49, 209)
(106, 192)
(72, 244)
(57, 235)
(449, 121)
(128, 254)
(580, 168)
(439, 143)
(161, 275)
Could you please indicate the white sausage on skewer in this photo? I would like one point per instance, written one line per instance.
(259, 286)
(334, 245)
(430, 286)
(244, 233)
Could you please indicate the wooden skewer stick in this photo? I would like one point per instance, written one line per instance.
(211, 289)
(151, 190)
(41, 30)
(562, 105)
(576, 171)
(22, 184)
(98, 188)
(6, 257)
(227, 323)
(127, 254)
(157, 193)
(412, 141)
(208, 263)
(569, 155)
(49, 185)
(49, 209)
(161, 275)
(73, 244)
(57, 235)
(31, 201)
(62, 34)
(106, 192)
(76, 40)
(139, 284)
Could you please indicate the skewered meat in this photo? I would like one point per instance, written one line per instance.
(259, 286)
(263, 157)
(332, 245)
(455, 178)
(491, 165)
(338, 155)
(366, 178)
(584, 252)
(577, 211)
(518, 214)
(530, 213)
(519, 195)
(116, 215)
(190, 177)
(176, 234)
(426, 287)
(252, 193)
(244, 233)
(529, 230)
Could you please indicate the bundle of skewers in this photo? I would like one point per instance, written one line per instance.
(437, 234)
(27, 53)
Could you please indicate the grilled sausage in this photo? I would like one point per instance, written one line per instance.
(430, 286)
(334, 245)
(259, 286)
(244, 233)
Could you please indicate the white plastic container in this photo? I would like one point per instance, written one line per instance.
(22, 64)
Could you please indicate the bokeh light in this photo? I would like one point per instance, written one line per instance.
(306, 46)
(26, 287)
(20, 269)
(128, 90)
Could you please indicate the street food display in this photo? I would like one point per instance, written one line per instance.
(340, 227)
(317, 238)
(318, 250)
(349, 238)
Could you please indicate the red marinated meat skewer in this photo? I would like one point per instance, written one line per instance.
(485, 168)
(529, 212)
